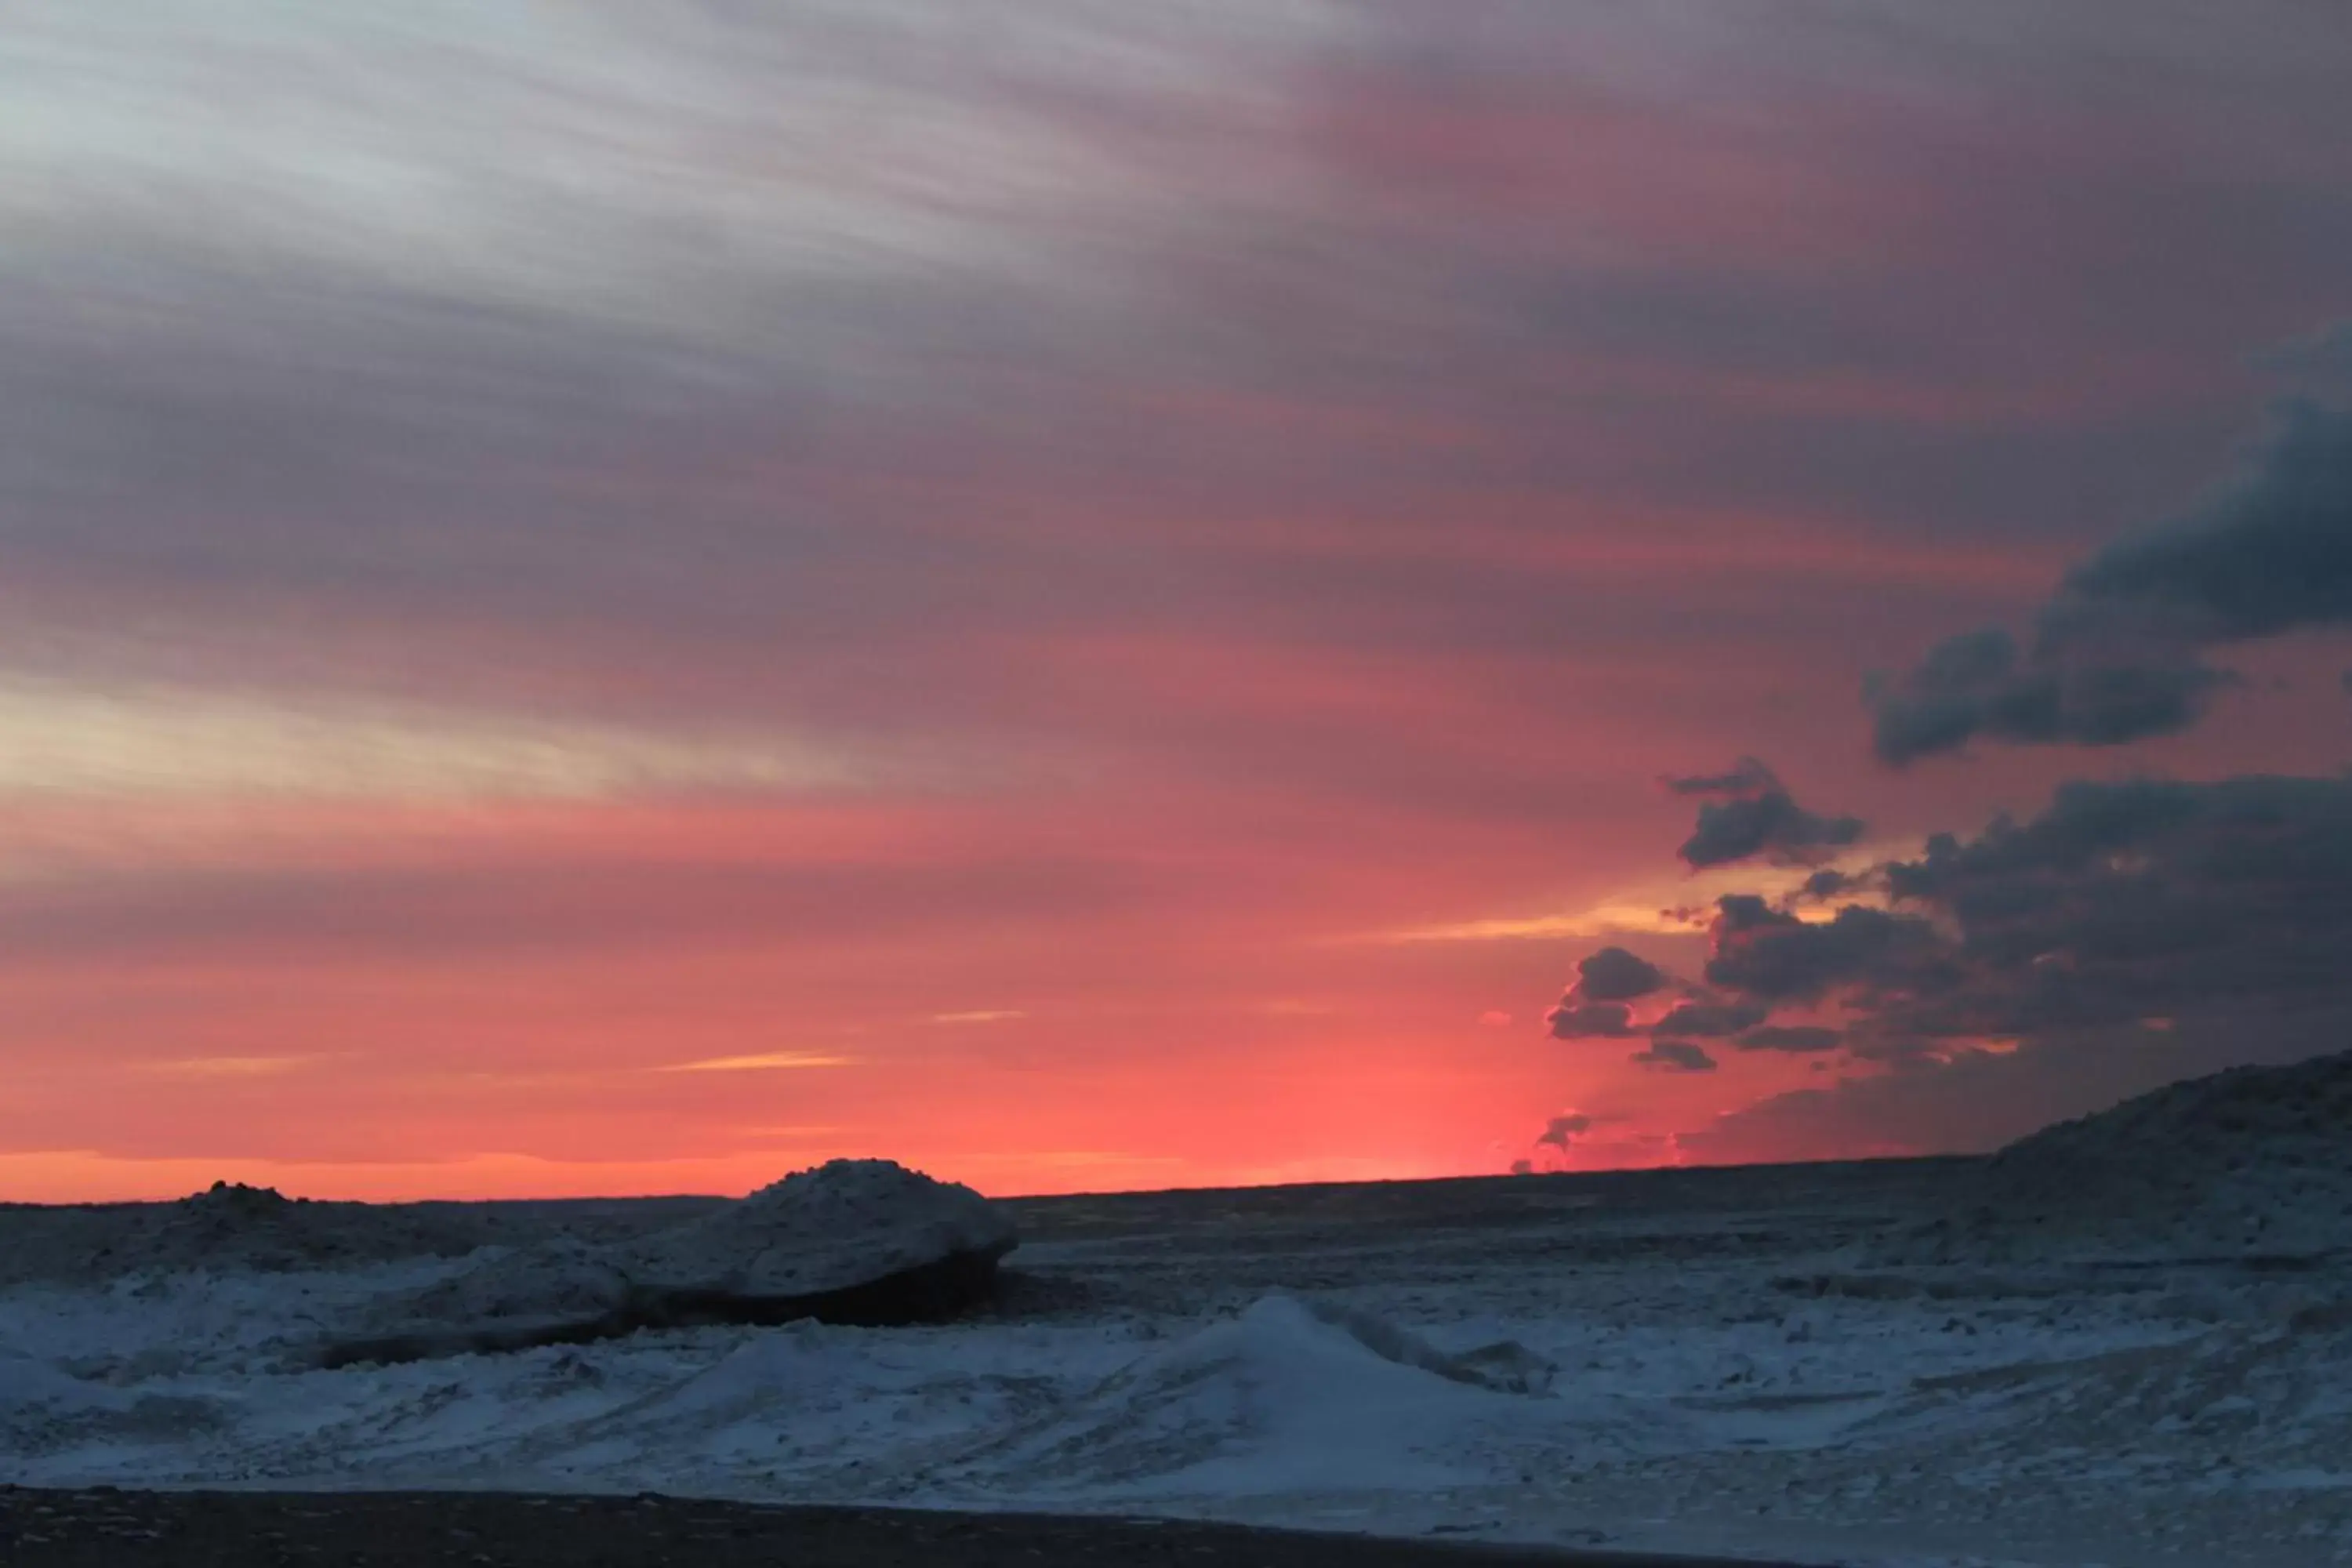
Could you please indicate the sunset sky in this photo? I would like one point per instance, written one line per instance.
(631, 595)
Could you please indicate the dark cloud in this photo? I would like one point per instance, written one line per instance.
(1978, 684)
(1591, 1021)
(1756, 816)
(1770, 956)
(2130, 934)
(1674, 1056)
(2118, 903)
(1595, 1007)
(1562, 1131)
(2125, 900)
(2119, 652)
(1797, 1039)
(1613, 974)
(2269, 554)
(1709, 1020)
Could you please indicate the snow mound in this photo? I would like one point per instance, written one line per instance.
(839, 1226)
(1506, 1366)
(1287, 1396)
(779, 1368)
(259, 1228)
(2255, 1162)
(855, 1241)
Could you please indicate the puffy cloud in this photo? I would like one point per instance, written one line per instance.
(1979, 684)
(1595, 1007)
(1826, 884)
(1613, 974)
(2133, 899)
(1756, 816)
(2119, 651)
(1594, 1021)
(2272, 552)
(2130, 933)
(1709, 1020)
(1562, 1131)
(1770, 956)
(2119, 901)
(1674, 1056)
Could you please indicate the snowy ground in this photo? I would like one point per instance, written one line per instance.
(1732, 1376)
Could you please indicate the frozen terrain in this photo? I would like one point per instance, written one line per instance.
(1858, 1363)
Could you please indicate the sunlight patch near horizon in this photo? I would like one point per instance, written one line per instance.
(1678, 906)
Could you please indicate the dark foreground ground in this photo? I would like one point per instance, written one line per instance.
(103, 1527)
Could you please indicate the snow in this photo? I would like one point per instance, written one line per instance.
(1743, 1363)
(846, 1224)
(841, 1223)
(227, 1226)
(1285, 1397)
(2252, 1162)
(558, 1280)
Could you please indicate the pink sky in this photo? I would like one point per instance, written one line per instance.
(1081, 604)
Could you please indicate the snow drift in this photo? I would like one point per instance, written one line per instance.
(1289, 1396)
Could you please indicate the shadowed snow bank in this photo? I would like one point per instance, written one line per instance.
(2253, 1164)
